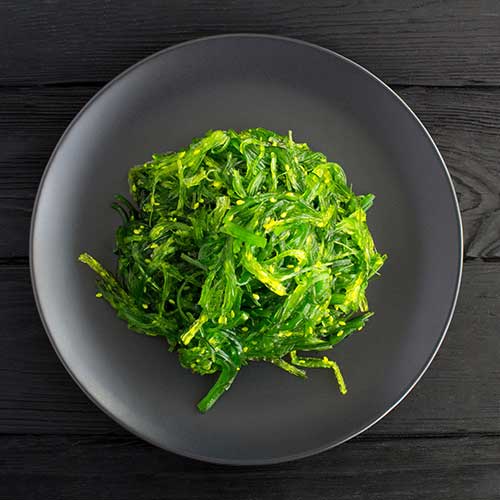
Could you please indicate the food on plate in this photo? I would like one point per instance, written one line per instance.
(245, 246)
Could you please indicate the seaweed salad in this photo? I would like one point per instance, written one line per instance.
(245, 246)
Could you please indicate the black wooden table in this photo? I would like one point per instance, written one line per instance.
(443, 441)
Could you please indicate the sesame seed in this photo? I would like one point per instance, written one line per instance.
(255, 296)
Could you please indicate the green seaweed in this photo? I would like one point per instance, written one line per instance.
(243, 247)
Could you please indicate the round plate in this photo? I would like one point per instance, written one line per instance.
(243, 81)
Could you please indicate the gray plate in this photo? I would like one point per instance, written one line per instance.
(241, 81)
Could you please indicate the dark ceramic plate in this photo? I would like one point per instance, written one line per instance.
(241, 81)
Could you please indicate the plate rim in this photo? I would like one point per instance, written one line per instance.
(308, 452)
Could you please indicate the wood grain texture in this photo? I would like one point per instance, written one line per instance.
(31, 123)
(464, 123)
(457, 396)
(426, 42)
(122, 467)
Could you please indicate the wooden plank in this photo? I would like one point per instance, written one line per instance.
(81, 468)
(36, 393)
(31, 123)
(465, 126)
(456, 395)
(464, 123)
(452, 42)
